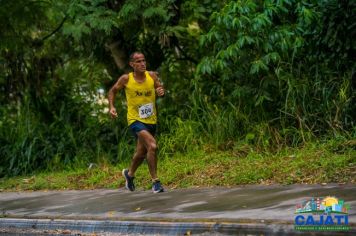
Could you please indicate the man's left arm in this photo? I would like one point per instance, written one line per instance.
(157, 84)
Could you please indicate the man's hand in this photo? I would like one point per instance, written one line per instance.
(113, 112)
(160, 91)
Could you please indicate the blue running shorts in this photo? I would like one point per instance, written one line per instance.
(137, 126)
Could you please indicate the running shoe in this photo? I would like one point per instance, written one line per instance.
(129, 180)
(157, 187)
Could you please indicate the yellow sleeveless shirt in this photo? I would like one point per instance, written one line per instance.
(141, 100)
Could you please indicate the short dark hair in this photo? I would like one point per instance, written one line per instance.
(133, 54)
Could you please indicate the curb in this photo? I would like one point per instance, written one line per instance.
(153, 227)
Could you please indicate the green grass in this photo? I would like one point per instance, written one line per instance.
(206, 166)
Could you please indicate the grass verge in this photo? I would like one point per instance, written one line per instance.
(207, 167)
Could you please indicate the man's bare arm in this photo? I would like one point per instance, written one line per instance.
(120, 84)
(157, 84)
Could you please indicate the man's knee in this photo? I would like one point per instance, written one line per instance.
(152, 146)
(148, 140)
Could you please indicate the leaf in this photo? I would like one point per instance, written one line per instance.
(257, 66)
(155, 12)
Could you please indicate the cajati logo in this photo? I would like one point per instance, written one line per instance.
(322, 214)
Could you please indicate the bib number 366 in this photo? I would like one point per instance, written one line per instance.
(145, 110)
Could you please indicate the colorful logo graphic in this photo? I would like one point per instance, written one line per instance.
(322, 213)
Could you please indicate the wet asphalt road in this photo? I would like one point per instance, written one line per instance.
(260, 207)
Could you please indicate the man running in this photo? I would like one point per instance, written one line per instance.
(141, 87)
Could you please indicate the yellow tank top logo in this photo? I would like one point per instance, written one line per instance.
(145, 93)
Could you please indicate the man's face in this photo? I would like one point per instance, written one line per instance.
(138, 63)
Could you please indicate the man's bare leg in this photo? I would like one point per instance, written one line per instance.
(138, 157)
(149, 143)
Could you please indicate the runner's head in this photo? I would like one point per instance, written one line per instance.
(138, 62)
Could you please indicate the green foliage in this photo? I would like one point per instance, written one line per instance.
(334, 41)
(182, 137)
(261, 56)
(89, 18)
(255, 38)
(18, 20)
(266, 74)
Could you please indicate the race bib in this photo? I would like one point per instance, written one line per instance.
(145, 111)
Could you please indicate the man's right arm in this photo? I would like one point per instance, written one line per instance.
(120, 84)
